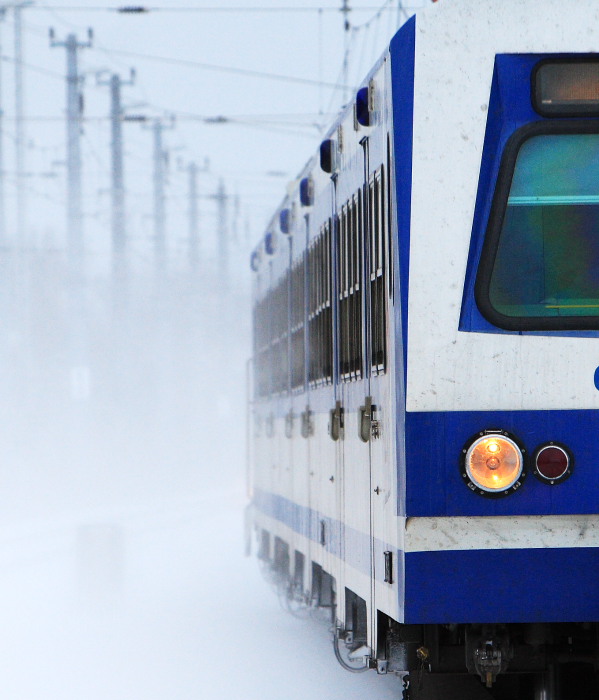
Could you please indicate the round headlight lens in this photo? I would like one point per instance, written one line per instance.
(493, 464)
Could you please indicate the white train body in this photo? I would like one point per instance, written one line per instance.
(391, 345)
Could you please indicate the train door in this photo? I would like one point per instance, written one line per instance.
(330, 467)
(300, 389)
(323, 474)
(304, 425)
(279, 373)
(365, 411)
(378, 418)
(336, 418)
(354, 455)
(286, 428)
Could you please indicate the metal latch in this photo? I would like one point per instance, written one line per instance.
(336, 421)
(270, 425)
(307, 425)
(365, 421)
(368, 426)
(289, 420)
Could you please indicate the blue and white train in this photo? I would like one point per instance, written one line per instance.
(425, 438)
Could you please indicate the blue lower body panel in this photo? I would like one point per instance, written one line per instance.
(434, 443)
(509, 585)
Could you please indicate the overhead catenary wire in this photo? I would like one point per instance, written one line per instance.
(365, 25)
(223, 69)
(42, 30)
(143, 9)
(336, 86)
(290, 124)
(217, 120)
(33, 68)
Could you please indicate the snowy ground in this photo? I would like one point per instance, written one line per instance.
(165, 607)
(122, 575)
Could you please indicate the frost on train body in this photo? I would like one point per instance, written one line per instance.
(426, 351)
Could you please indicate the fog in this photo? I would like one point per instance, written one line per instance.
(123, 396)
(122, 561)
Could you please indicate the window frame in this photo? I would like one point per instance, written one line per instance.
(495, 226)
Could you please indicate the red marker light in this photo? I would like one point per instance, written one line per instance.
(553, 463)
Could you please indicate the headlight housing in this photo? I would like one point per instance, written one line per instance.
(493, 464)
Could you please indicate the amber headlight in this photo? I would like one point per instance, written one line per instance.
(493, 464)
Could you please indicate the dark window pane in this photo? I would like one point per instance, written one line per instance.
(547, 261)
(568, 87)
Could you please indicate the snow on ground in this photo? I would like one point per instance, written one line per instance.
(160, 604)
(122, 575)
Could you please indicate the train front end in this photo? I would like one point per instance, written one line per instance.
(501, 305)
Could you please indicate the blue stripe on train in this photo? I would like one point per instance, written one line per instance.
(434, 443)
(532, 585)
(513, 585)
(343, 541)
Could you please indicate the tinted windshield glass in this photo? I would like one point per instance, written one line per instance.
(547, 262)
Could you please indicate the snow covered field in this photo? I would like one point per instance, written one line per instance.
(122, 568)
(177, 613)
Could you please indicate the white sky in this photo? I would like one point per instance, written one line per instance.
(275, 122)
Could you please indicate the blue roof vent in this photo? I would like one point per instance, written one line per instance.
(363, 106)
(255, 261)
(285, 220)
(327, 155)
(270, 243)
(306, 189)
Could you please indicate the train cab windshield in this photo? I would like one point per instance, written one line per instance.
(540, 265)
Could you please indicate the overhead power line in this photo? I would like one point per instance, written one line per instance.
(222, 69)
(142, 9)
(31, 67)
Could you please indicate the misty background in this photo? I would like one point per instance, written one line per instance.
(123, 379)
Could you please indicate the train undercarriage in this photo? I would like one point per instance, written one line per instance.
(501, 661)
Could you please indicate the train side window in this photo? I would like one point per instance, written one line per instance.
(279, 336)
(377, 271)
(313, 340)
(350, 291)
(539, 268)
(274, 339)
(258, 340)
(262, 346)
(327, 306)
(298, 350)
(356, 286)
(319, 309)
(344, 329)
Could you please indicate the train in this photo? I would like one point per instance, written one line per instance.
(425, 361)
